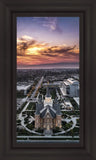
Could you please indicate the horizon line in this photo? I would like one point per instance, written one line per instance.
(50, 68)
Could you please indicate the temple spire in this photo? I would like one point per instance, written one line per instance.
(47, 91)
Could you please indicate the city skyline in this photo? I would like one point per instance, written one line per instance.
(50, 42)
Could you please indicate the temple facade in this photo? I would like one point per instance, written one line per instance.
(48, 114)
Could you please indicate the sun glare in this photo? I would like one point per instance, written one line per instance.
(33, 51)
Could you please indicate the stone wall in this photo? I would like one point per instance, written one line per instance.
(37, 121)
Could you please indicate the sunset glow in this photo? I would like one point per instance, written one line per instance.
(47, 40)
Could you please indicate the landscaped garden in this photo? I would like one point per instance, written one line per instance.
(21, 108)
(42, 91)
(31, 106)
(53, 93)
(31, 126)
(66, 125)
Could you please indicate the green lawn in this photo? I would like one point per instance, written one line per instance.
(20, 94)
(20, 109)
(31, 125)
(53, 93)
(66, 125)
(31, 106)
(42, 91)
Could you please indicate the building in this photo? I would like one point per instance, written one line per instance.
(76, 99)
(68, 105)
(23, 89)
(71, 87)
(48, 114)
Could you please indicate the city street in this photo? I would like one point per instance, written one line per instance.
(37, 87)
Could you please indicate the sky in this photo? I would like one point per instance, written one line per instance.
(47, 42)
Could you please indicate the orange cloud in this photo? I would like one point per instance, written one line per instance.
(32, 52)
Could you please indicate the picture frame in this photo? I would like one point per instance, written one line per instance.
(9, 149)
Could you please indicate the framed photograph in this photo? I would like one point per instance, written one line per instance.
(48, 84)
(48, 80)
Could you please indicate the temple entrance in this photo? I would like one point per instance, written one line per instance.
(48, 128)
(48, 132)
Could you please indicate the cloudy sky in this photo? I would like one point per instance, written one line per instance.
(47, 42)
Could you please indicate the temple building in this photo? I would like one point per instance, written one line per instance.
(48, 114)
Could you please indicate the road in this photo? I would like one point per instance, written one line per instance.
(37, 86)
(48, 136)
(32, 96)
(28, 101)
(38, 141)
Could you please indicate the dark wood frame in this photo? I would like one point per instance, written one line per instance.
(8, 148)
(13, 42)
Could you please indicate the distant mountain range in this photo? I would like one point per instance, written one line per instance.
(50, 66)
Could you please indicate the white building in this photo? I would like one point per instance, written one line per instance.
(71, 87)
(23, 88)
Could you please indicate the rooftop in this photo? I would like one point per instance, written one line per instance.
(70, 81)
(22, 87)
(76, 100)
(66, 83)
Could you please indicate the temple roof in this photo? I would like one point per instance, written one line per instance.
(39, 106)
(53, 110)
(48, 109)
